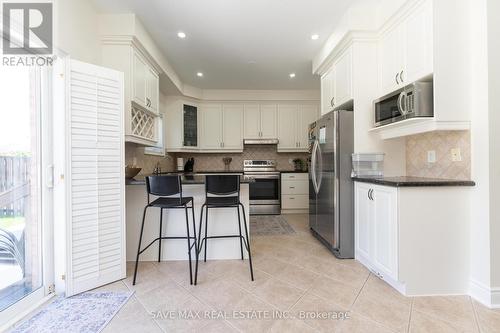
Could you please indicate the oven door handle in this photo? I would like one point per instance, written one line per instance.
(250, 176)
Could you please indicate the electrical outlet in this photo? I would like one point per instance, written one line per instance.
(456, 155)
(431, 156)
(290, 161)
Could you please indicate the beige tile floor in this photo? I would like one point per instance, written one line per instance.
(294, 274)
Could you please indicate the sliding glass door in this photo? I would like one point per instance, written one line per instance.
(24, 198)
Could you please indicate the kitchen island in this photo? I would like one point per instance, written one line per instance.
(222, 221)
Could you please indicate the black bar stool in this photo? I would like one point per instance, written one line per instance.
(222, 191)
(169, 190)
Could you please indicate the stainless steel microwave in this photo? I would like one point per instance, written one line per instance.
(413, 101)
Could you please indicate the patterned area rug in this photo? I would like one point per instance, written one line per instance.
(269, 225)
(88, 312)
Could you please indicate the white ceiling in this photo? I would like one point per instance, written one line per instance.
(238, 44)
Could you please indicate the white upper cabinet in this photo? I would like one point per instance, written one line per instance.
(327, 91)
(211, 137)
(153, 90)
(145, 84)
(418, 42)
(405, 49)
(336, 83)
(252, 121)
(260, 121)
(139, 81)
(222, 127)
(141, 98)
(183, 125)
(343, 79)
(391, 60)
(268, 121)
(232, 127)
(287, 127)
(293, 124)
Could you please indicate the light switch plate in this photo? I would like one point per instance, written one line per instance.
(431, 156)
(456, 155)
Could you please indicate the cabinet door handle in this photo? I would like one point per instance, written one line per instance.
(292, 198)
(401, 76)
(370, 192)
(397, 81)
(291, 187)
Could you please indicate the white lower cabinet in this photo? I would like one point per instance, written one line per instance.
(294, 191)
(413, 237)
(376, 225)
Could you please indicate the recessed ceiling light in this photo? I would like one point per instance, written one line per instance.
(315, 37)
(292, 75)
(199, 74)
(181, 35)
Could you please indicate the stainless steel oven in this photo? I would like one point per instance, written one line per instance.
(412, 101)
(265, 188)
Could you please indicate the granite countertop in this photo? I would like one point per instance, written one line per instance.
(187, 179)
(292, 171)
(413, 181)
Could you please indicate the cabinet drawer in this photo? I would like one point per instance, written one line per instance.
(300, 201)
(295, 176)
(295, 187)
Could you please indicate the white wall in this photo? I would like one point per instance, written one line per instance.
(493, 8)
(484, 85)
(478, 99)
(77, 30)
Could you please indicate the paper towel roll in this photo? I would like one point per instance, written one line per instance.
(180, 164)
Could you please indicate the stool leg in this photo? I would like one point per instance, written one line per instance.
(139, 246)
(248, 240)
(198, 246)
(194, 230)
(206, 233)
(195, 244)
(239, 227)
(161, 228)
(189, 246)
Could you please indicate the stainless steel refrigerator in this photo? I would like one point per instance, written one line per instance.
(331, 208)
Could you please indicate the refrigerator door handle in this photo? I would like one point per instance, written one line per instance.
(313, 166)
(318, 183)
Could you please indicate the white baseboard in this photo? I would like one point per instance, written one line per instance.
(485, 295)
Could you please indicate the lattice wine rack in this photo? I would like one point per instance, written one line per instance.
(143, 124)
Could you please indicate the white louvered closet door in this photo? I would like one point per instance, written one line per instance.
(95, 186)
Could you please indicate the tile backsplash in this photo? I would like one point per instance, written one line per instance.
(442, 142)
(213, 162)
(134, 156)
